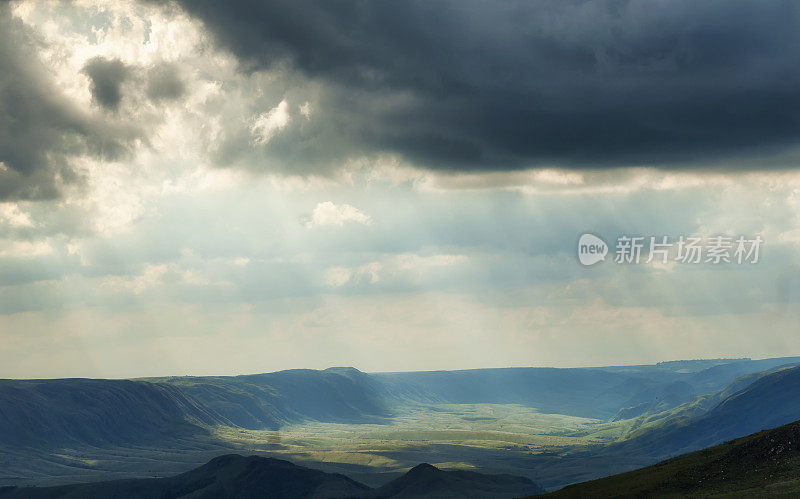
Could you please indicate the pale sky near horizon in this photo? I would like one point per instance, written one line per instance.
(187, 188)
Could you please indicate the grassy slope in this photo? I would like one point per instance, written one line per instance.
(589, 393)
(604, 392)
(94, 412)
(269, 401)
(764, 463)
(761, 402)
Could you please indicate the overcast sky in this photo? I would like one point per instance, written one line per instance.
(205, 188)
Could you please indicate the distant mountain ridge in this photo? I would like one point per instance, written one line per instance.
(268, 401)
(44, 413)
(592, 392)
(233, 476)
(95, 412)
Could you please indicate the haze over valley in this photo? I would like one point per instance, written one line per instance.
(552, 426)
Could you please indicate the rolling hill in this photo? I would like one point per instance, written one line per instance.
(590, 393)
(762, 464)
(61, 412)
(616, 392)
(57, 431)
(234, 476)
(268, 401)
(429, 482)
(97, 412)
(753, 403)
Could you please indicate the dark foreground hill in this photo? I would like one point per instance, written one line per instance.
(234, 476)
(763, 464)
(426, 481)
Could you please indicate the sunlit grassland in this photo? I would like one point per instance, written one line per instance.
(485, 427)
(503, 438)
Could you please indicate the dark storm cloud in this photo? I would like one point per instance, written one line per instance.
(107, 77)
(471, 84)
(39, 131)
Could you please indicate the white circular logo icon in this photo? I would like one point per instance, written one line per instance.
(591, 249)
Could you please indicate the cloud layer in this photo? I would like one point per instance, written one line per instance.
(475, 85)
(248, 187)
(42, 132)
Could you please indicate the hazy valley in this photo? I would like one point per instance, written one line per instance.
(552, 426)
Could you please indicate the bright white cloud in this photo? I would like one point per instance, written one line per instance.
(11, 214)
(268, 124)
(328, 213)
